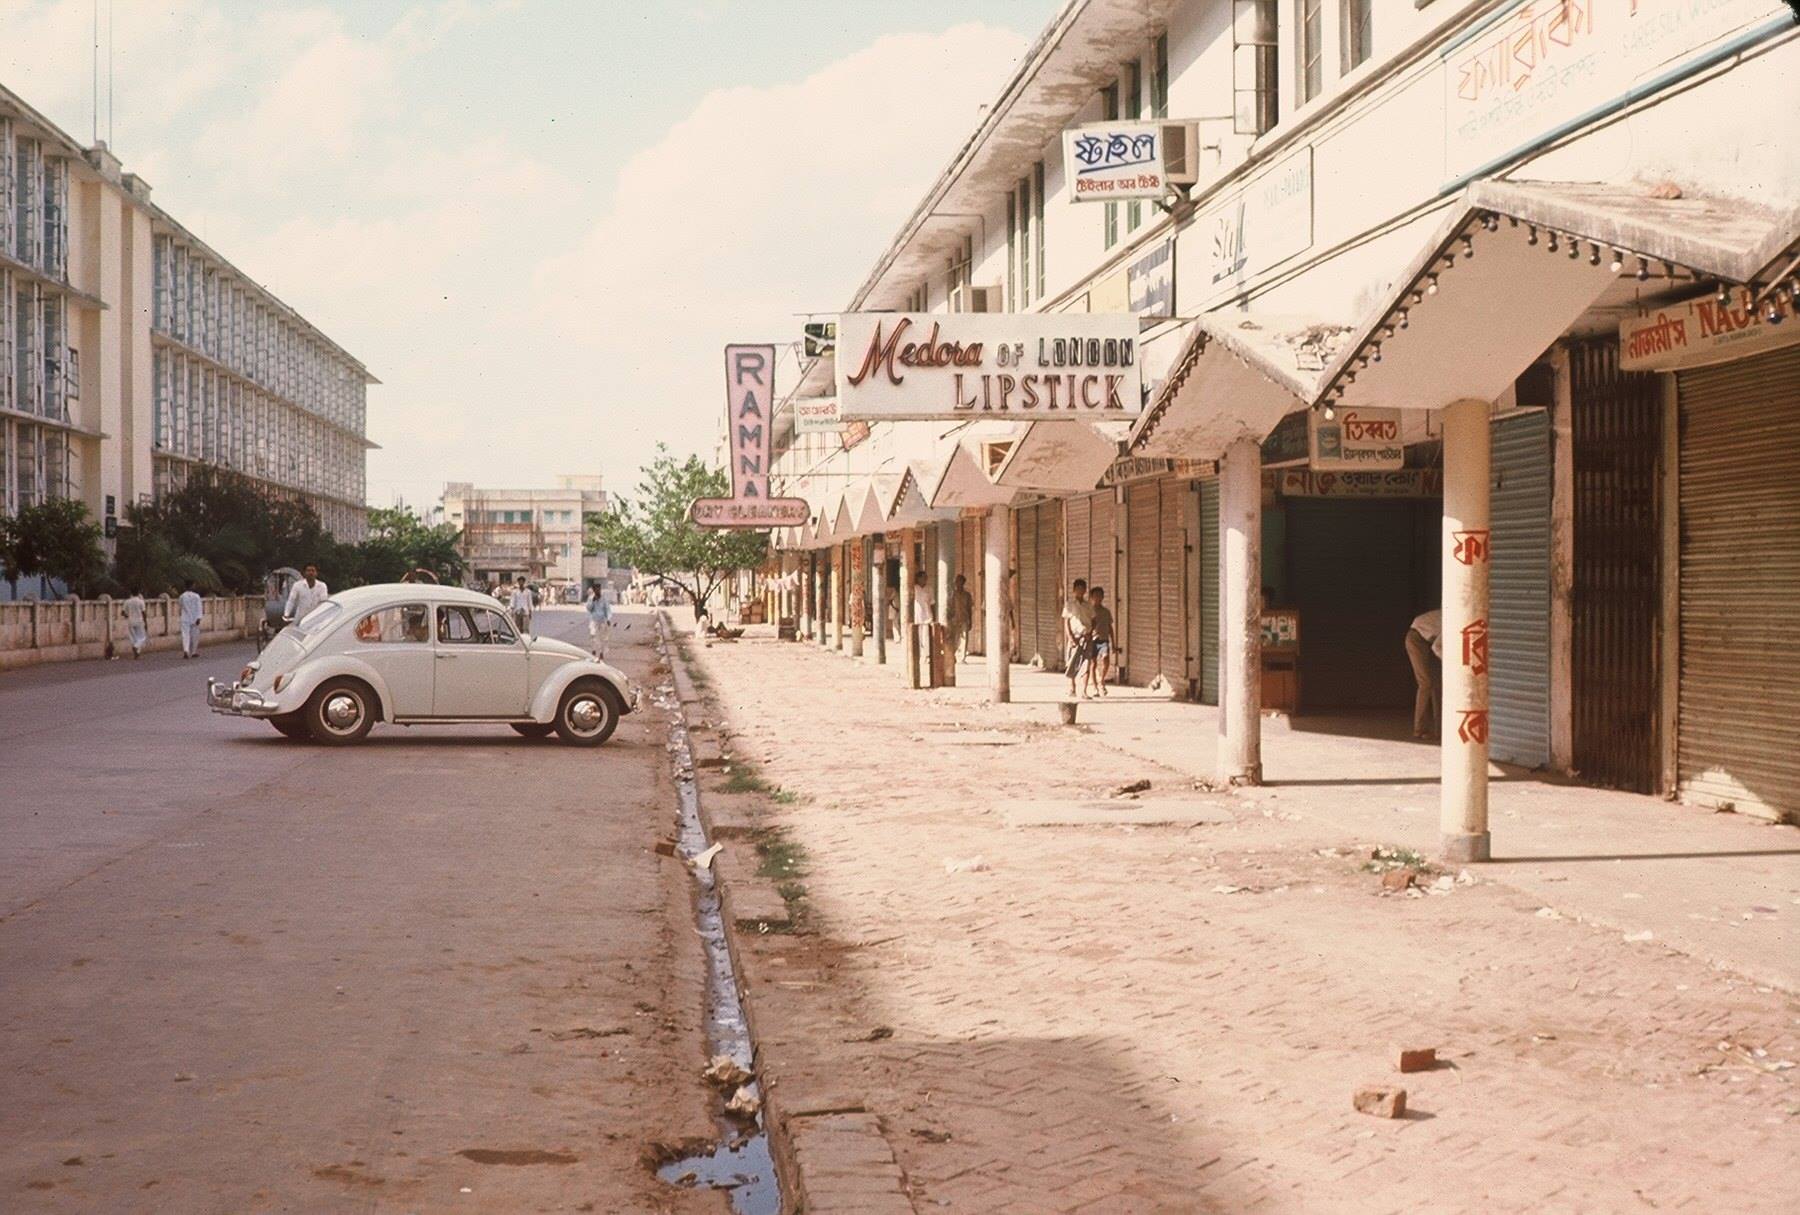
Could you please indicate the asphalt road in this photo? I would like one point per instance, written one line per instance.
(445, 970)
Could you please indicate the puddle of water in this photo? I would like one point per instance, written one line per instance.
(740, 1162)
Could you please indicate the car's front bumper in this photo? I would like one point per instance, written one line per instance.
(236, 700)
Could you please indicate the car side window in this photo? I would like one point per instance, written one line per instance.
(404, 623)
(494, 627)
(454, 627)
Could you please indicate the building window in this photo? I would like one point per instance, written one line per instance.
(1012, 252)
(1253, 75)
(1026, 237)
(1109, 110)
(1357, 33)
(1159, 77)
(1312, 49)
(1037, 179)
(1134, 109)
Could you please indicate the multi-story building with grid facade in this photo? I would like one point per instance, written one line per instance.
(131, 353)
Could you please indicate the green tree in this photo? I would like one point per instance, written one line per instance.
(652, 532)
(236, 527)
(58, 539)
(400, 542)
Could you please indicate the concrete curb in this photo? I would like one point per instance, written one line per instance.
(833, 1158)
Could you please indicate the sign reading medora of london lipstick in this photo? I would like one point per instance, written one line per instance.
(1022, 367)
(749, 406)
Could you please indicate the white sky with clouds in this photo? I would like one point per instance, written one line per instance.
(537, 221)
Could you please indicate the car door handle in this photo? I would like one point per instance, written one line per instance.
(442, 656)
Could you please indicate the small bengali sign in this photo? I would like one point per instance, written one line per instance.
(817, 416)
(1702, 330)
(1355, 440)
(1400, 483)
(1107, 161)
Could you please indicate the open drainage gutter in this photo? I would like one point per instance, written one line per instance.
(741, 1162)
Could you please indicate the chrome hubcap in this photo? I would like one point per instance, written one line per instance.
(342, 711)
(586, 714)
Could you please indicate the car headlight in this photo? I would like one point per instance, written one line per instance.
(249, 672)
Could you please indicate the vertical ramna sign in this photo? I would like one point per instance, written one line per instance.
(749, 408)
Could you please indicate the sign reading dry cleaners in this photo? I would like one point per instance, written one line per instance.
(1077, 367)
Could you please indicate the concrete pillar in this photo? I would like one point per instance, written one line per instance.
(909, 640)
(857, 553)
(946, 569)
(837, 597)
(999, 645)
(821, 584)
(1468, 449)
(878, 615)
(1240, 614)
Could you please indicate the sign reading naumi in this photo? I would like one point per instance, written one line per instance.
(1076, 367)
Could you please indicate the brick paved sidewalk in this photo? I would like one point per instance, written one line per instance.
(1174, 1018)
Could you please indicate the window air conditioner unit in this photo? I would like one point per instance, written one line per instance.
(976, 299)
(1181, 153)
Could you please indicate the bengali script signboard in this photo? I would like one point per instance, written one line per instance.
(1702, 330)
(1002, 366)
(1539, 63)
(1107, 161)
(817, 416)
(749, 406)
(1356, 440)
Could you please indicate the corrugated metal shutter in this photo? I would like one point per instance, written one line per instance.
(1209, 591)
(973, 557)
(1050, 585)
(1077, 529)
(1103, 545)
(1143, 560)
(1739, 476)
(1025, 561)
(1174, 651)
(1519, 613)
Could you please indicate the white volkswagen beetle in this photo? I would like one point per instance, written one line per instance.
(414, 654)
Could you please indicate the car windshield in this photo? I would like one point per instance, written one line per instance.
(319, 619)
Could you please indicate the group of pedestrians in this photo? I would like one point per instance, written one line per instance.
(133, 610)
(1087, 639)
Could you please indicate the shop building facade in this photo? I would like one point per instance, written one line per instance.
(1543, 253)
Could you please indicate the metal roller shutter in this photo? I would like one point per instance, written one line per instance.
(1172, 599)
(1103, 545)
(1519, 614)
(1050, 584)
(1739, 475)
(1143, 560)
(1026, 559)
(1209, 591)
(1077, 528)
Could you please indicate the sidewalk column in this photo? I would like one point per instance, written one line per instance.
(909, 641)
(946, 573)
(856, 584)
(1468, 449)
(999, 645)
(1240, 614)
(821, 561)
(878, 597)
(837, 597)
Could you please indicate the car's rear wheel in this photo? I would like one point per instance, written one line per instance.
(588, 714)
(532, 729)
(340, 712)
(291, 725)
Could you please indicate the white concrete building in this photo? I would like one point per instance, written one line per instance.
(132, 353)
(537, 533)
(1558, 239)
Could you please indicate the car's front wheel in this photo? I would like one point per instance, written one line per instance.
(588, 714)
(532, 729)
(291, 725)
(340, 712)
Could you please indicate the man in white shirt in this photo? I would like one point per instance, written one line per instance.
(191, 611)
(521, 604)
(1077, 619)
(133, 611)
(1424, 649)
(307, 594)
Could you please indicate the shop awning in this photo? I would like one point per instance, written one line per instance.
(872, 511)
(1062, 457)
(1521, 262)
(959, 482)
(1236, 376)
(908, 508)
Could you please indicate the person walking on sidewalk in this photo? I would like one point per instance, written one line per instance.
(306, 594)
(1099, 643)
(521, 604)
(191, 612)
(962, 618)
(1424, 649)
(133, 612)
(1077, 619)
(599, 620)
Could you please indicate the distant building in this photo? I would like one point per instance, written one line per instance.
(131, 353)
(537, 533)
